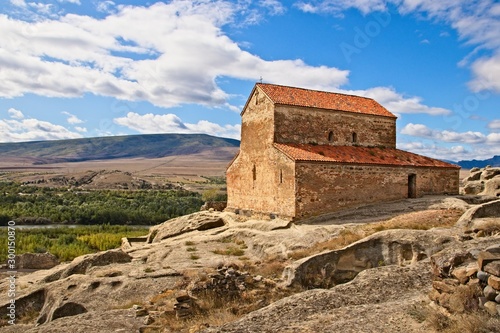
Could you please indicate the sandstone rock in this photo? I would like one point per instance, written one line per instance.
(473, 187)
(493, 268)
(471, 269)
(497, 299)
(485, 210)
(493, 249)
(444, 286)
(494, 281)
(460, 273)
(80, 265)
(391, 247)
(444, 262)
(68, 309)
(485, 258)
(489, 293)
(180, 225)
(473, 176)
(492, 187)
(490, 173)
(491, 307)
(36, 261)
(343, 306)
(474, 169)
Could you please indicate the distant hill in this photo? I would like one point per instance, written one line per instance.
(111, 147)
(494, 161)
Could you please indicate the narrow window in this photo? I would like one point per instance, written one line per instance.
(354, 137)
(281, 176)
(330, 136)
(412, 185)
(254, 173)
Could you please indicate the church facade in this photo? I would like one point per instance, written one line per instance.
(306, 152)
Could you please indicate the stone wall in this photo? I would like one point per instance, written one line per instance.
(260, 179)
(326, 127)
(264, 187)
(324, 187)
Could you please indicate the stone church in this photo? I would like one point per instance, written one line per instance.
(305, 153)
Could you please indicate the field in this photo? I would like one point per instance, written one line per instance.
(186, 170)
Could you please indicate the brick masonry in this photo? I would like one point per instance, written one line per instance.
(263, 181)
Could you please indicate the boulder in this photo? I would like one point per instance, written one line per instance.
(36, 261)
(493, 268)
(197, 221)
(473, 187)
(489, 173)
(82, 264)
(486, 210)
(391, 247)
(473, 176)
(492, 187)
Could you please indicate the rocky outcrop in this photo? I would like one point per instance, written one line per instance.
(178, 226)
(468, 277)
(486, 210)
(484, 181)
(81, 265)
(376, 301)
(391, 247)
(36, 261)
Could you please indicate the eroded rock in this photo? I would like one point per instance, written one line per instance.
(36, 261)
(180, 225)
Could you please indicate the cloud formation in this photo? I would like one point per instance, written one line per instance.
(178, 63)
(475, 21)
(469, 137)
(170, 123)
(20, 128)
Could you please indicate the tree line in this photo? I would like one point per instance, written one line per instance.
(43, 205)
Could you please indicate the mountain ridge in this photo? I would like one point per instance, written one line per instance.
(469, 164)
(114, 147)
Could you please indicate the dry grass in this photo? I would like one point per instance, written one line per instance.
(230, 251)
(416, 220)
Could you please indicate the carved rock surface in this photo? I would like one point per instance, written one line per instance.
(180, 225)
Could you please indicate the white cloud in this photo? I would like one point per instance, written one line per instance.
(30, 129)
(487, 74)
(72, 119)
(275, 7)
(18, 3)
(337, 7)
(476, 23)
(80, 129)
(397, 103)
(171, 123)
(158, 60)
(494, 125)
(16, 114)
(105, 6)
(469, 137)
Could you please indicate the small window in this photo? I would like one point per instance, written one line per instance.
(330, 136)
(254, 173)
(281, 176)
(354, 137)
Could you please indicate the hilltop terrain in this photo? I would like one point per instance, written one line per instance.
(113, 147)
(362, 270)
(131, 162)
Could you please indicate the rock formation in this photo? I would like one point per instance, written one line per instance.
(380, 283)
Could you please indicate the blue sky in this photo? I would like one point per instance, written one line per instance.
(75, 68)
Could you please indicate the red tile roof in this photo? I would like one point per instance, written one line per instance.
(358, 155)
(323, 100)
